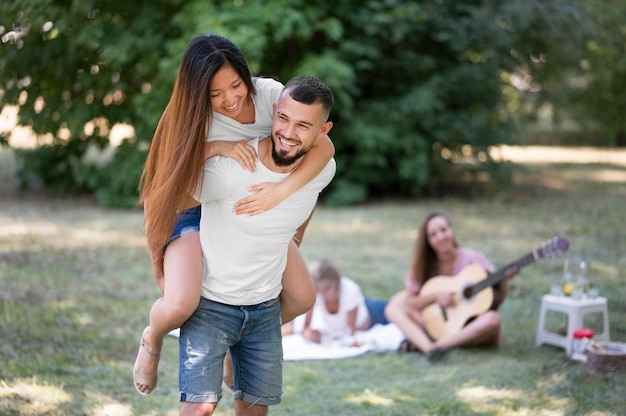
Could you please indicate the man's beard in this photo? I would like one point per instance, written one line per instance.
(282, 159)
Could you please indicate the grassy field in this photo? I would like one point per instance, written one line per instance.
(76, 287)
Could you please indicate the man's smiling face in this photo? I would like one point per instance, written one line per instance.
(295, 128)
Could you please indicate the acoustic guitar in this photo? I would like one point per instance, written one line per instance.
(473, 287)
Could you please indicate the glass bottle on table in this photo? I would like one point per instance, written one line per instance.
(569, 283)
(579, 273)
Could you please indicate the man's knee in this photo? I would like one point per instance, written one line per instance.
(249, 409)
(197, 409)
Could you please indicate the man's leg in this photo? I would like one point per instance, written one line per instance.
(204, 339)
(258, 360)
(248, 409)
(197, 409)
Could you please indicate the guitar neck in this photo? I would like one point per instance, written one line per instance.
(499, 275)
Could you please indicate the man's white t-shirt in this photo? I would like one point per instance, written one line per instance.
(245, 256)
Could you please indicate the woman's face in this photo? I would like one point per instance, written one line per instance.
(228, 92)
(440, 234)
(328, 289)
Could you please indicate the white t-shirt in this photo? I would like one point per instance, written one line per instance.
(228, 129)
(245, 256)
(350, 297)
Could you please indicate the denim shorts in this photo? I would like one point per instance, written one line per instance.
(187, 221)
(252, 333)
(376, 310)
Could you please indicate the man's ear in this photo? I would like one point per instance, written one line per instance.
(274, 109)
(326, 128)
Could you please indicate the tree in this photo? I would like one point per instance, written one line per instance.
(570, 55)
(420, 86)
(599, 101)
(75, 69)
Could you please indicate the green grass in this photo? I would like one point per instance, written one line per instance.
(76, 288)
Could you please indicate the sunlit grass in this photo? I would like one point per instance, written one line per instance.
(30, 396)
(76, 288)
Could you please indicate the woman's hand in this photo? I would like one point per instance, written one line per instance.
(265, 196)
(446, 299)
(312, 335)
(512, 271)
(241, 151)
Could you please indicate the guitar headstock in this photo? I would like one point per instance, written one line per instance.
(552, 248)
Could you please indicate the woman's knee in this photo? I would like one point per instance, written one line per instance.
(490, 321)
(179, 310)
(296, 303)
(392, 310)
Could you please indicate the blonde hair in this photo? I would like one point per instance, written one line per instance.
(324, 269)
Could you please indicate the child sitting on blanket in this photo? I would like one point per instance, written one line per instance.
(340, 308)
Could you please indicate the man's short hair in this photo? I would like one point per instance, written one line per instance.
(309, 90)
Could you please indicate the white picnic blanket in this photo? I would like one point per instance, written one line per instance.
(379, 338)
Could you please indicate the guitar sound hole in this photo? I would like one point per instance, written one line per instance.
(468, 292)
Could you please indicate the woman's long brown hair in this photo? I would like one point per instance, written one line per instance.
(424, 262)
(174, 164)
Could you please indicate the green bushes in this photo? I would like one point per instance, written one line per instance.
(419, 86)
(110, 174)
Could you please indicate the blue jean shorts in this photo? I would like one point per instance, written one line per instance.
(376, 310)
(187, 221)
(252, 333)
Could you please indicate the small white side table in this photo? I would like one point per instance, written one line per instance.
(575, 309)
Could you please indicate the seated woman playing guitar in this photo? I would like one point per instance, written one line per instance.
(437, 319)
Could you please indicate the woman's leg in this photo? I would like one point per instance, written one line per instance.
(397, 313)
(482, 330)
(183, 268)
(298, 294)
